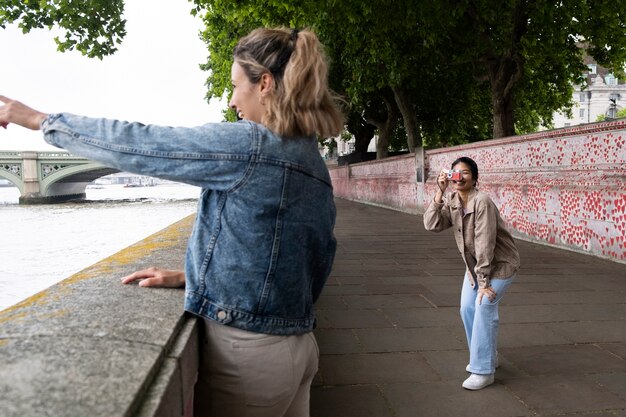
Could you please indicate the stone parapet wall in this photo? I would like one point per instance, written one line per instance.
(388, 183)
(91, 346)
(565, 187)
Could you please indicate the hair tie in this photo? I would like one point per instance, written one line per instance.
(294, 34)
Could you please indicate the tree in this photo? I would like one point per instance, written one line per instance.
(95, 28)
(528, 51)
(227, 21)
(362, 131)
(369, 57)
(450, 71)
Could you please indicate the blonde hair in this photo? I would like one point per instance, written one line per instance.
(300, 102)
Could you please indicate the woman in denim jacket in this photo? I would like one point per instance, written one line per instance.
(491, 261)
(262, 245)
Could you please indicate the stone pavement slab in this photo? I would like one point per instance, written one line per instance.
(443, 399)
(392, 342)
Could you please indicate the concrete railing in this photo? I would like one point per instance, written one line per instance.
(564, 187)
(91, 346)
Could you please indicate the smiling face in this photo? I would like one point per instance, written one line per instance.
(467, 181)
(246, 98)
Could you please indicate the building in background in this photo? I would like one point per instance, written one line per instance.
(345, 148)
(605, 95)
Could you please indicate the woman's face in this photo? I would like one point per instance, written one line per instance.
(246, 99)
(467, 181)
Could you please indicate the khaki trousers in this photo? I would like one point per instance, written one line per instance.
(247, 374)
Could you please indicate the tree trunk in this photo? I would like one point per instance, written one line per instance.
(363, 137)
(503, 75)
(385, 130)
(363, 132)
(405, 104)
(505, 71)
(385, 126)
(503, 117)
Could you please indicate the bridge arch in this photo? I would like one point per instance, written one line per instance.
(52, 179)
(48, 177)
(13, 173)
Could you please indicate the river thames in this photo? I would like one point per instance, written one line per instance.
(44, 244)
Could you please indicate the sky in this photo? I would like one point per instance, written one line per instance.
(154, 77)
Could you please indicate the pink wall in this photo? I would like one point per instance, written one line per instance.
(564, 187)
(388, 182)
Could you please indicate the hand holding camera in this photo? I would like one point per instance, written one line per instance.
(454, 175)
(442, 180)
(447, 175)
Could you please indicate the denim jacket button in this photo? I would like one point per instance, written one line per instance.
(221, 314)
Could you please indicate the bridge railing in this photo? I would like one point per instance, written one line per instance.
(43, 154)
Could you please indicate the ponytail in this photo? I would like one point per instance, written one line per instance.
(300, 103)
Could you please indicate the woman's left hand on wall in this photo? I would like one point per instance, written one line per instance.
(156, 277)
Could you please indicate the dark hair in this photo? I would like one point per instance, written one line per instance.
(471, 163)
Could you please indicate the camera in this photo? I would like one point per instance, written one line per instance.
(454, 175)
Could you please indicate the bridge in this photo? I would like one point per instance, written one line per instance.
(49, 177)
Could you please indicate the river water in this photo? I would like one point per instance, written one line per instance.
(44, 244)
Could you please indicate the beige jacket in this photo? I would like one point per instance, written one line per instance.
(485, 244)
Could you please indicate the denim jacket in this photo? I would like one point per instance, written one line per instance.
(486, 245)
(262, 245)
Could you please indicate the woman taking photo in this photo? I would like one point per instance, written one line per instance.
(491, 261)
(262, 245)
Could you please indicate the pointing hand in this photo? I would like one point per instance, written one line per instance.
(15, 112)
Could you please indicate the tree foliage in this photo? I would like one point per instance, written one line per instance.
(459, 70)
(620, 114)
(528, 52)
(94, 27)
(441, 72)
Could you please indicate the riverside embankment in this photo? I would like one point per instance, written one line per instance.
(390, 338)
(90, 346)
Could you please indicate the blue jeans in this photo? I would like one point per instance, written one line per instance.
(481, 324)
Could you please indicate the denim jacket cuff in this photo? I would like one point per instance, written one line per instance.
(52, 117)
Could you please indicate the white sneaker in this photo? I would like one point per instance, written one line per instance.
(476, 381)
(467, 368)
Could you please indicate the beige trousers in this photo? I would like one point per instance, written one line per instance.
(246, 374)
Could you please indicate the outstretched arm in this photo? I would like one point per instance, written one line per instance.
(156, 277)
(13, 111)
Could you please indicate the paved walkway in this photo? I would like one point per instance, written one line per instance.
(392, 343)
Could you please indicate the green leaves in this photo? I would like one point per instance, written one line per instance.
(94, 27)
(226, 21)
(454, 59)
